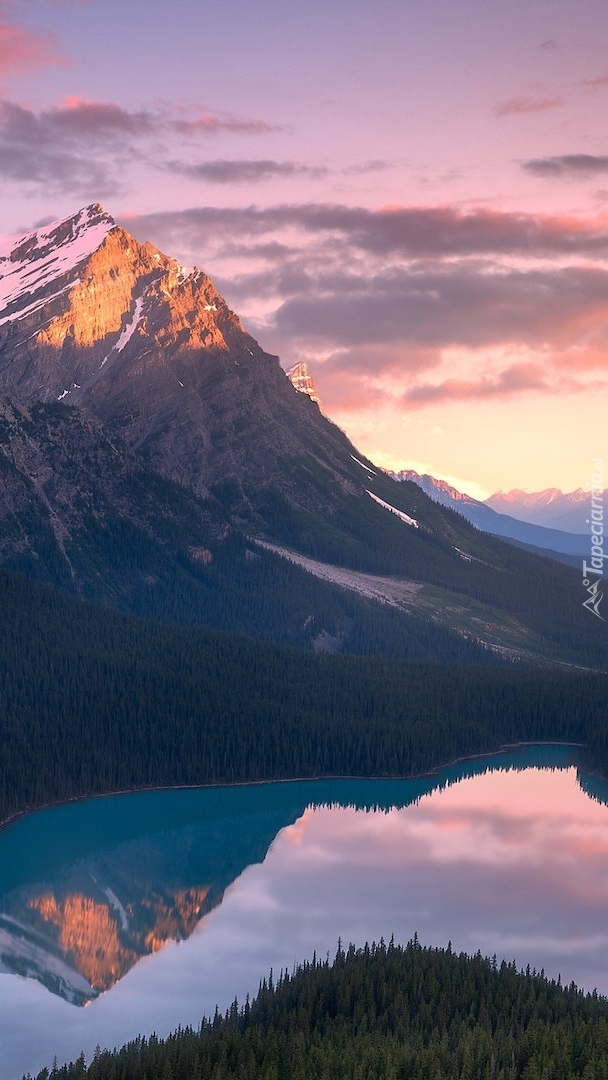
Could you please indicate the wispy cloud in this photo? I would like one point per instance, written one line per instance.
(529, 103)
(206, 123)
(595, 84)
(91, 120)
(22, 48)
(567, 165)
(241, 172)
(364, 167)
(406, 232)
(513, 380)
(81, 143)
(42, 150)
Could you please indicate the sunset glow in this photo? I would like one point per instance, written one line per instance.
(414, 203)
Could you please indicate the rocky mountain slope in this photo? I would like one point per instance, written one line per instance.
(94, 319)
(145, 434)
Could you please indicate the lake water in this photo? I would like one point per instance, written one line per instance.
(141, 912)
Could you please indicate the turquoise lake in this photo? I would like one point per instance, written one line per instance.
(136, 913)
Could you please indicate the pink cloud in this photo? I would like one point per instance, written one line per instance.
(352, 394)
(22, 48)
(383, 298)
(207, 123)
(527, 104)
(514, 379)
(595, 84)
(89, 118)
(408, 231)
(84, 146)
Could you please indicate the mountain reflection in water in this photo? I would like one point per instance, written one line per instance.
(511, 862)
(110, 881)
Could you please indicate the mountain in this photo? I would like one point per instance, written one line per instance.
(303, 381)
(150, 447)
(131, 879)
(552, 508)
(481, 514)
(94, 319)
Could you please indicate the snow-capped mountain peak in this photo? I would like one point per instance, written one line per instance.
(549, 507)
(438, 490)
(303, 381)
(93, 318)
(82, 298)
(47, 254)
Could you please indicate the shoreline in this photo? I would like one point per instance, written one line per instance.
(504, 748)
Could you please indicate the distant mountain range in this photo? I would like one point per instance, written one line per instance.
(486, 516)
(552, 508)
(155, 458)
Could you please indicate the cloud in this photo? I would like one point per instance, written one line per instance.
(405, 232)
(514, 379)
(206, 123)
(349, 390)
(595, 84)
(87, 144)
(78, 118)
(365, 167)
(524, 104)
(33, 154)
(22, 48)
(454, 305)
(48, 150)
(567, 165)
(91, 120)
(241, 172)
(430, 303)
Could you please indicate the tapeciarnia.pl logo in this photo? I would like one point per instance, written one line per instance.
(593, 571)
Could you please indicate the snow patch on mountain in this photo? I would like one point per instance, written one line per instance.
(25, 952)
(550, 508)
(393, 509)
(35, 304)
(363, 465)
(301, 379)
(464, 554)
(64, 393)
(40, 257)
(131, 327)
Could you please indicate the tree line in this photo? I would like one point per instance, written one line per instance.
(385, 1012)
(92, 701)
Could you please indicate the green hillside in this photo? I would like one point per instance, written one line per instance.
(382, 1012)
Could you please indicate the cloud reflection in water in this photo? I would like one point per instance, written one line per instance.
(513, 863)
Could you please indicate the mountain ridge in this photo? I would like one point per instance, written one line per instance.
(151, 370)
(550, 507)
(125, 333)
(484, 516)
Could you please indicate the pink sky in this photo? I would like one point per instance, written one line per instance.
(414, 201)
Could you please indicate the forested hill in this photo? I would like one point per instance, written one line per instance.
(92, 701)
(382, 1012)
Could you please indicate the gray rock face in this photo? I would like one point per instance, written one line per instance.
(95, 319)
